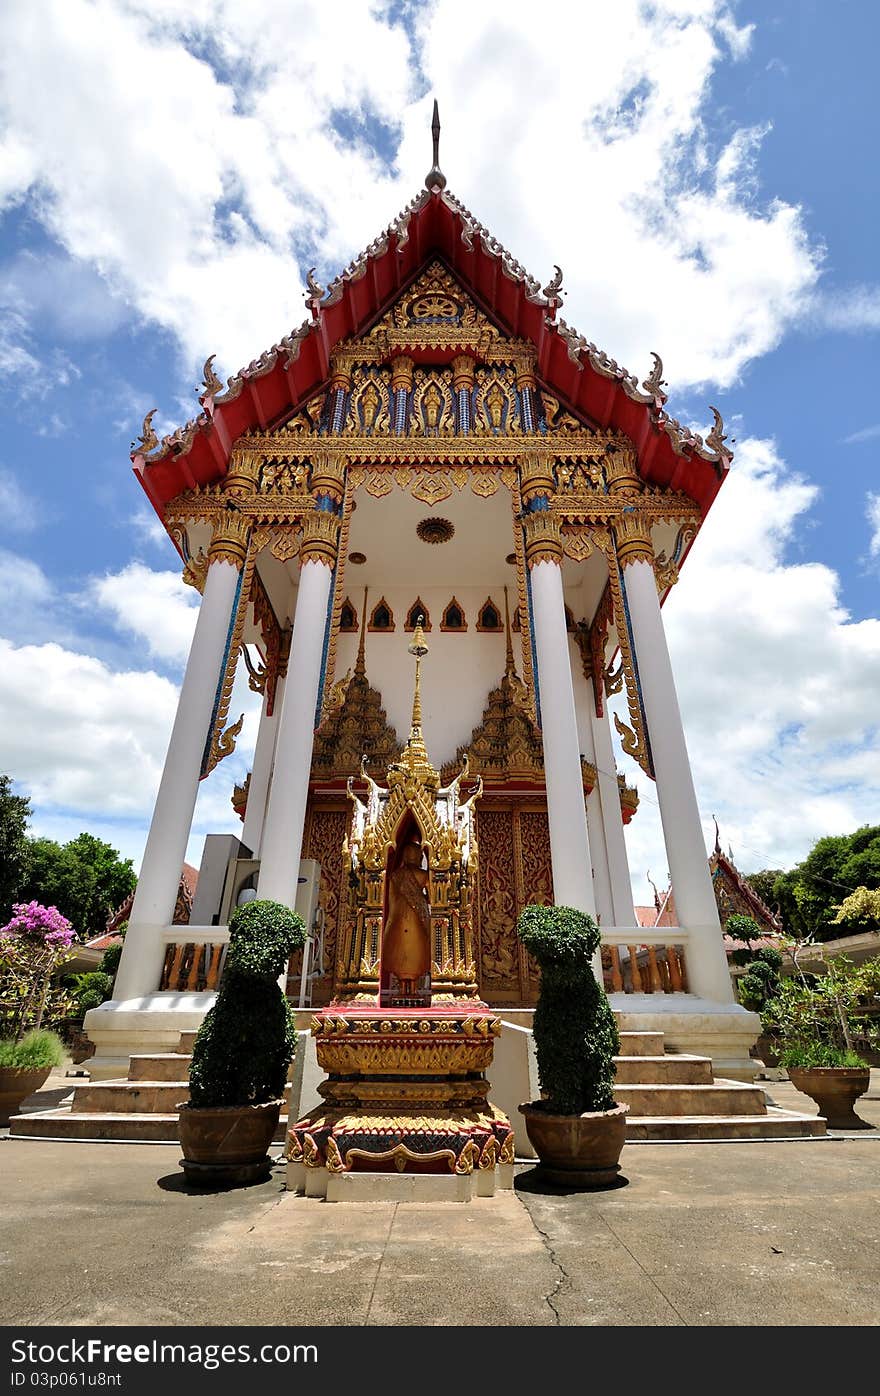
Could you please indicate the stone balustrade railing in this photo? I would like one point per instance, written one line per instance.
(645, 960)
(194, 958)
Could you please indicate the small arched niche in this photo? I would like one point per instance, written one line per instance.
(381, 617)
(348, 621)
(489, 617)
(418, 611)
(454, 618)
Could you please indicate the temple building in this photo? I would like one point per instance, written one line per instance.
(433, 446)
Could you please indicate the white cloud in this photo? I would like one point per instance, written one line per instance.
(864, 434)
(235, 120)
(77, 735)
(27, 594)
(155, 607)
(88, 743)
(148, 527)
(873, 512)
(852, 309)
(778, 686)
(20, 512)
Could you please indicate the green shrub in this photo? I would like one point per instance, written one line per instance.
(90, 990)
(246, 1042)
(35, 1051)
(110, 960)
(760, 983)
(742, 928)
(807, 1054)
(575, 1032)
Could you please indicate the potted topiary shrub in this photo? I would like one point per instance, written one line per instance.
(577, 1128)
(242, 1052)
(821, 1019)
(25, 1066)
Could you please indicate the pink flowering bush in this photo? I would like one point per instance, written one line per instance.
(33, 944)
(41, 924)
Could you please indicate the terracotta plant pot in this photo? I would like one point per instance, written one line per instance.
(227, 1144)
(835, 1090)
(16, 1084)
(577, 1151)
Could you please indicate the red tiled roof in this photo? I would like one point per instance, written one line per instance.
(266, 393)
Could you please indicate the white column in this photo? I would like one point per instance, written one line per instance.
(566, 808)
(261, 774)
(583, 708)
(612, 820)
(142, 953)
(285, 817)
(708, 974)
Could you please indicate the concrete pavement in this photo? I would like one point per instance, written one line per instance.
(740, 1233)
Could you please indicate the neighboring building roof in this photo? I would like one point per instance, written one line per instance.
(649, 915)
(189, 877)
(435, 223)
(734, 895)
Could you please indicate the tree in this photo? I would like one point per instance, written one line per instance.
(860, 910)
(85, 878)
(808, 895)
(763, 883)
(15, 811)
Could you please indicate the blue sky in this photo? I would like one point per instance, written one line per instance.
(703, 172)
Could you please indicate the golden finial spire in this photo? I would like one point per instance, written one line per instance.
(509, 667)
(417, 647)
(415, 759)
(360, 666)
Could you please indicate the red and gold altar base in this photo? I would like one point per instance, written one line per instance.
(406, 1093)
(407, 1042)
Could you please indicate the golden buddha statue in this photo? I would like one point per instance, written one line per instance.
(406, 944)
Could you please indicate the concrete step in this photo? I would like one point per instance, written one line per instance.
(129, 1097)
(776, 1124)
(641, 1044)
(187, 1039)
(129, 1128)
(673, 1070)
(161, 1066)
(721, 1098)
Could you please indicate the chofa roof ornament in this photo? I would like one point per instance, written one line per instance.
(435, 178)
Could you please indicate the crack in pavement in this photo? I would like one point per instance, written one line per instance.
(648, 1276)
(379, 1266)
(564, 1277)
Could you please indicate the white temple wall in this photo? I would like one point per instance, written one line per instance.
(458, 672)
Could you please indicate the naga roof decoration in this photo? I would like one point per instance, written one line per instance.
(434, 224)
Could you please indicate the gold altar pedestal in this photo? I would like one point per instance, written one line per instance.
(406, 1094)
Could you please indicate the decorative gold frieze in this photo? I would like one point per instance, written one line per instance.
(243, 474)
(229, 542)
(402, 373)
(622, 471)
(542, 538)
(320, 532)
(328, 475)
(463, 372)
(633, 534)
(536, 477)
